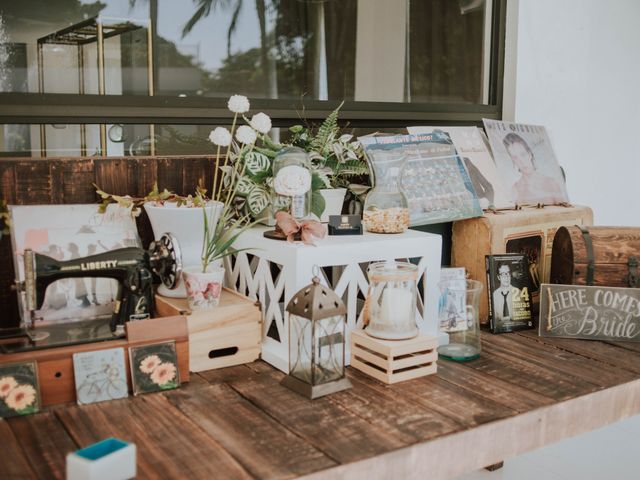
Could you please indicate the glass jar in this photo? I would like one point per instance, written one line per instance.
(458, 318)
(390, 308)
(292, 182)
(386, 209)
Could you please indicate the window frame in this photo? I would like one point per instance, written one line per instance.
(55, 108)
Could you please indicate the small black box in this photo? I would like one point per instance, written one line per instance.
(345, 225)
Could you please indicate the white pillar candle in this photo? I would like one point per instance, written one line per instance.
(396, 306)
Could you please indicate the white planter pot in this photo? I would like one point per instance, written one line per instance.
(203, 288)
(187, 225)
(334, 199)
(109, 459)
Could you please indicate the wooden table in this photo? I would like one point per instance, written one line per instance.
(238, 422)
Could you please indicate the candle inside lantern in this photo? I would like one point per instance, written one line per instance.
(396, 306)
(391, 310)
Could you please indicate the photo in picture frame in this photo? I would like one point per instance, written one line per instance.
(19, 389)
(154, 368)
(65, 232)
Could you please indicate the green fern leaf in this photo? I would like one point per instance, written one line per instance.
(328, 129)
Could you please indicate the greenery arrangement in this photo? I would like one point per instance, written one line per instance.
(244, 158)
(335, 157)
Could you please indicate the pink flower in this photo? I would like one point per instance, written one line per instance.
(213, 290)
(6, 385)
(163, 374)
(149, 364)
(21, 397)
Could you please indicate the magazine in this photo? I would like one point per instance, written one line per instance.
(437, 187)
(525, 158)
(492, 190)
(509, 290)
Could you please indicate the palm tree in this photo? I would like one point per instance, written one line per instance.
(205, 7)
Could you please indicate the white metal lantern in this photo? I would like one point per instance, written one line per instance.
(317, 327)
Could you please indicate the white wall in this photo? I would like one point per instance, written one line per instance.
(575, 68)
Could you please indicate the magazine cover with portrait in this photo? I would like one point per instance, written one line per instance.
(67, 232)
(525, 158)
(509, 290)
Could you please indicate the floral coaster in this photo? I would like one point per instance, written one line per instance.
(19, 392)
(154, 367)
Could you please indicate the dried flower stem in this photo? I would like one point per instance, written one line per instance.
(226, 156)
(215, 175)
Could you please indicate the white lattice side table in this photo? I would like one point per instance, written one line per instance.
(273, 271)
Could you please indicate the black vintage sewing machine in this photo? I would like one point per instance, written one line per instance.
(132, 267)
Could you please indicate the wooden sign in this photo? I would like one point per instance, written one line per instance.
(594, 313)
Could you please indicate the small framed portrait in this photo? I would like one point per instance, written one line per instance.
(19, 389)
(154, 368)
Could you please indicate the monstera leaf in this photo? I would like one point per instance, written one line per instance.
(257, 164)
(257, 201)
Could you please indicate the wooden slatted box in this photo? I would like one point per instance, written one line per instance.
(230, 334)
(392, 361)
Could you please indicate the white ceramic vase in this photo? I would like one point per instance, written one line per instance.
(203, 288)
(187, 225)
(334, 199)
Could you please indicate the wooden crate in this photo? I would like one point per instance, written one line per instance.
(392, 361)
(55, 365)
(511, 231)
(230, 334)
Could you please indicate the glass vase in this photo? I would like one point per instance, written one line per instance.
(386, 209)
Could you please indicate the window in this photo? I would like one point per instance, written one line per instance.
(115, 77)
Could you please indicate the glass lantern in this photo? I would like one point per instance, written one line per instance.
(317, 323)
(292, 182)
(391, 300)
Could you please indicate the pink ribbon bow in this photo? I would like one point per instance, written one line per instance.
(308, 229)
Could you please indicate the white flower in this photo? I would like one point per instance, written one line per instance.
(220, 136)
(238, 104)
(261, 122)
(292, 181)
(246, 135)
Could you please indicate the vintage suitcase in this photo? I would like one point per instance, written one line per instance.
(601, 256)
(529, 231)
(230, 334)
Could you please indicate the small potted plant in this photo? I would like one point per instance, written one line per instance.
(336, 159)
(183, 216)
(220, 231)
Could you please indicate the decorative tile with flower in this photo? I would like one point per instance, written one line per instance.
(154, 367)
(19, 392)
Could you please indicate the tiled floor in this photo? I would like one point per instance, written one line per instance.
(610, 453)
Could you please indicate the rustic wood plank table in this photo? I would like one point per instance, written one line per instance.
(238, 422)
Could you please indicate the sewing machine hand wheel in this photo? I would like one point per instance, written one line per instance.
(166, 259)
